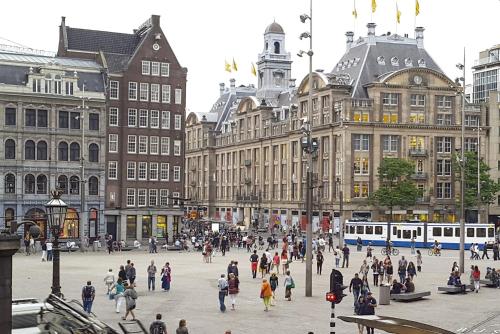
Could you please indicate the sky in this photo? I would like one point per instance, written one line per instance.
(203, 34)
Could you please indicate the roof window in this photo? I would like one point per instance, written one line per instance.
(408, 62)
(395, 61)
(421, 62)
(381, 60)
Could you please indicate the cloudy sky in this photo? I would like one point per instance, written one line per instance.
(205, 33)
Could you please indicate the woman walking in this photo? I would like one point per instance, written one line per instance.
(319, 262)
(266, 293)
(363, 270)
(338, 255)
(284, 260)
(476, 276)
(276, 262)
(273, 280)
(263, 265)
(166, 277)
(374, 267)
(182, 327)
(412, 272)
(119, 289)
(365, 287)
(233, 289)
(419, 261)
(289, 285)
(130, 296)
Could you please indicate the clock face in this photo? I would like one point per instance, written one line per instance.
(417, 79)
(156, 47)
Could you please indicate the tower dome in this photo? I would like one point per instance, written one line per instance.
(274, 28)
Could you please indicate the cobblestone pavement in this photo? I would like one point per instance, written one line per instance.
(193, 294)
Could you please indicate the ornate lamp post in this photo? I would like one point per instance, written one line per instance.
(56, 214)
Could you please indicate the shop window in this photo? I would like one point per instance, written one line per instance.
(70, 227)
(131, 227)
(147, 227)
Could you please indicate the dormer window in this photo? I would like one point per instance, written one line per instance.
(37, 85)
(69, 88)
(395, 61)
(421, 62)
(408, 62)
(381, 60)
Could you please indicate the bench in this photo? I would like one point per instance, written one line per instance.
(488, 283)
(411, 296)
(455, 289)
(174, 248)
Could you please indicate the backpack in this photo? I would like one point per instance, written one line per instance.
(157, 328)
(87, 291)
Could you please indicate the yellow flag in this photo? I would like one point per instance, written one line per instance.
(355, 13)
(254, 72)
(227, 66)
(398, 14)
(417, 8)
(374, 6)
(235, 67)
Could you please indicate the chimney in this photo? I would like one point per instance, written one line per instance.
(63, 19)
(232, 84)
(349, 39)
(419, 36)
(155, 20)
(291, 83)
(222, 87)
(371, 33)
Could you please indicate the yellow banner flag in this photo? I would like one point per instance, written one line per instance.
(354, 11)
(227, 66)
(254, 72)
(417, 8)
(398, 14)
(235, 67)
(374, 6)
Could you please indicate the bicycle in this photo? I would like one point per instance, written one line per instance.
(433, 251)
(393, 251)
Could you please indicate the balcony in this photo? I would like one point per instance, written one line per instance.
(417, 152)
(419, 176)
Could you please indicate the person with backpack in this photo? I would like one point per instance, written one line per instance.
(158, 326)
(88, 295)
(130, 296)
(289, 285)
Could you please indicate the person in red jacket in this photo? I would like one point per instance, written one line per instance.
(476, 276)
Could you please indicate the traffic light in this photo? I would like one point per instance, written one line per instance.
(337, 287)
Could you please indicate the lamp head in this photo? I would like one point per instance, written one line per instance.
(305, 35)
(460, 66)
(300, 53)
(304, 17)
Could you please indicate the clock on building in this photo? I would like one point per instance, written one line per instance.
(417, 79)
(156, 47)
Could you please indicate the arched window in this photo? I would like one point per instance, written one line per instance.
(93, 153)
(62, 154)
(10, 149)
(74, 185)
(29, 150)
(93, 186)
(41, 184)
(41, 150)
(62, 183)
(29, 184)
(10, 215)
(10, 184)
(74, 152)
(276, 47)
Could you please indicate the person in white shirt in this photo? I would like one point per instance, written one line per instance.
(49, 250)
(269, 260)
(223, 287)
(137, 244)
(109, 280)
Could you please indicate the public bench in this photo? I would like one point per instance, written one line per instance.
(411, 296)
(455, 289)
(488, 283)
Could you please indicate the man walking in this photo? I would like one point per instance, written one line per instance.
(346, 252)
(49, 250)
(151, 276)
(254, 260)
(131, 273)
(88, 295)
(485, 251)
(355, 287)
(158, 326)
(223, 287)
(402, 265)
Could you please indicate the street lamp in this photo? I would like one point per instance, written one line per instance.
(478, 147)
(462, 174)
(56, 214)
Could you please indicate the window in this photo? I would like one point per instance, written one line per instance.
(132, 117)
(113, 116)
(37, 85)
(177, 174)
(62, 151)
(112, 170)
(69, 88)
(444, 101)
(164, 171)
(48, 84)
(436, 231)
(41, 150)
(93, 152)
(361, 142)
(93, 122)
(10, 184)
(165, 69)
(443, 167)
(390, 143)
(93, 186)
(74, 121)
(390, 99)
(470, 144)
(130, 202)
(163, 197)
(361, 166)
(145, 67)
(178, 96)
(165, 146)
(42, 118)
(443, 190)
(131, 170)
(177, 147)
(155, 119)
(29, 150)
(165, 93)
(63, 119)
(417, 100)
(114, 87)
(30, 117)
(155, 93)
(74, 152)
(142, 173)
(470, 232)
(153, 145)
(141, 197)
(361, 116)
(132, 91)
(417, 117)
(481, 232)
(143, 118)
(443, 119)
(165, 119)
(58, 85)
(143, 145)
(155, 68)
(10, 149)
(471, 120)
(443, 144)
(41, 184)
(29, 184)
(62, 183)
(10, 116)
(153, 197)
(144, 96)
(360, 190)
(131, 146)
(153, 171)
(390, 116)
(177, 122)
(113, 143)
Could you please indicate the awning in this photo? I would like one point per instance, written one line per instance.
(394, 325)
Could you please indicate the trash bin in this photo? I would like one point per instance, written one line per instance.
(385, 295)
(95, 246)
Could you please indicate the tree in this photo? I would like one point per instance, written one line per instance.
(396, 186)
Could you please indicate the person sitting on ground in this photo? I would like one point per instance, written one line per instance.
(451, 279)
(137, 244)
(409, 286)
(396, 287)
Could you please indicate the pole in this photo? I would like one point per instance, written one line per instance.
(332, 319)
(341, 218)
(478, 173)
(462, 181)
(309, 170)
(56, 284)
(83, 211)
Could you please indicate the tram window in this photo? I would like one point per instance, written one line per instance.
(351, 229)
(399, 234)
(470, 232)
(406, 234)
(419, 231)
(414, 234)
(491, 233)
(457, 232)
(369, 230)
(448, 232)
(436, 231)
(360, 229)
(378, 230)
(481, 232)
(394, 230)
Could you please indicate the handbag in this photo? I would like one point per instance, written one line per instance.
(111, 296)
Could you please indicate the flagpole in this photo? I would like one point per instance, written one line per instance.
(415, 19)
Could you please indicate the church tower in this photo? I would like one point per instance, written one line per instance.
(274, 64)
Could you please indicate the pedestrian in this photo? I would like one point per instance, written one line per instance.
(122, 274)
(495, 251)
(476, 276)
(269, 261)
(273, 280)
(402, 264)
(330, 243)
(130, 296)
(355, 287)
(319, 262)
(412, 245)
(158, 326)
(389, 271)
(50, 253)
(166, 277)
(369, 250)
(412, 272)
(131, 273)
(345, 252)
(109, 280)
(44, 251)
(233, 289)
(266, 293)
(368, 308)
(109, 244)
(338, 255)
(419, 261)
(263, 265)
(32, 245)
(276, 262)
(363, 270)
(223, 290)
(27, 244)
(151, 276)
(88, 295)
(485, 251)
(359, 244)
(455, 267)
(182, 327)
(254, 261)
(223, 245)
(289, 285)
(374, 267)
(284, 260)
(118, 289)
(365, 287)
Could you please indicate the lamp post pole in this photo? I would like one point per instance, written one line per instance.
(462, 176)
(83, 211)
